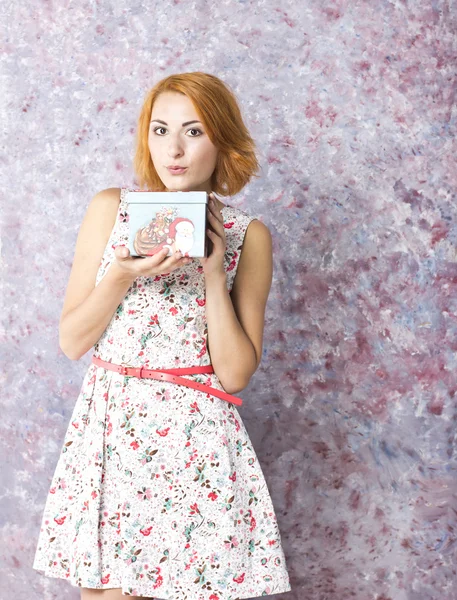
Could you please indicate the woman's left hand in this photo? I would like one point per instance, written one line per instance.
(213, 265)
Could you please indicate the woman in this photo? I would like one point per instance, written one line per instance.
(158, 491)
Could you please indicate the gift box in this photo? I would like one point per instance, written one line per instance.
(173, 220)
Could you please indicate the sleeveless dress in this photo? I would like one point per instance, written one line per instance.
(158, 489)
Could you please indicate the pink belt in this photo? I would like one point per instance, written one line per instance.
(169, 375)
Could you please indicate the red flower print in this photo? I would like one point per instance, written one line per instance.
(164, 432)
(173, 310)
(146, 532)
(135, 445)
(214, 597)
(194, 509)
(229, 224)
(60, 521)
(200, 302)
(233, 476)
(159, 580)
(105, 579)
(239, 579)
(232, 264)
(213, 495)
(252, 524)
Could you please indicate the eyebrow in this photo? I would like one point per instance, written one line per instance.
(183, 125)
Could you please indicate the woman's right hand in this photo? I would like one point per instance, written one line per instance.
(159, 264)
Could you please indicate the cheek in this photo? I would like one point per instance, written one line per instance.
(207, 155)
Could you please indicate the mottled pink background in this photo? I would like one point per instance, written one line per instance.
(353, 411)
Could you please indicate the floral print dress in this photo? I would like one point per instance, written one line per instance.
(158, 489)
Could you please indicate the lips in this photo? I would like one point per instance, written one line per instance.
(177, 171)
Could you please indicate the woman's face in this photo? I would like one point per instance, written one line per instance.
(172, 143)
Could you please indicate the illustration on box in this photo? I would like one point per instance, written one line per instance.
(166, 230)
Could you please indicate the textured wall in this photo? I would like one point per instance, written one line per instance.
(353, 410)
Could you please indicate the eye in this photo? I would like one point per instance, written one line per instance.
(192, 129)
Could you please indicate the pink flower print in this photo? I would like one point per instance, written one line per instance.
(135, 445)
(214, 597)
(146, 532)
(94, 494)
(105, 579)
(173, 310)
(144, 494)
(229, 224)
(213, 496)
(200, 301)
(232, 542)
(233, 476)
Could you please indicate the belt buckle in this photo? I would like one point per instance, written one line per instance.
(123, 370)
(141, 372)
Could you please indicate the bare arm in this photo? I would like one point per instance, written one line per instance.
(83, 326)
(88, 309)
(236, 320)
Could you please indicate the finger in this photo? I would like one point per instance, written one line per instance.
(215, 218)
(213, 234)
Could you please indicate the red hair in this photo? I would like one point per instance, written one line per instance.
(218, 110)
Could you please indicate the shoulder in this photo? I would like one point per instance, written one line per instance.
(257, 233)
(255, 229)
(109, 195)
(256, 259)
(257, 240)
(101, 214)
(104, 204)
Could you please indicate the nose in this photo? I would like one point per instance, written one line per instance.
(174, 146)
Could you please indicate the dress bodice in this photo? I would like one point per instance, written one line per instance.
(161, 321)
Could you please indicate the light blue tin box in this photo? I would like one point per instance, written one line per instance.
(172, 220)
